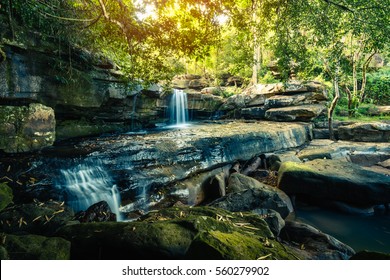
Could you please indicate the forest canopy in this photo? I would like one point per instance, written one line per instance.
(156, 39)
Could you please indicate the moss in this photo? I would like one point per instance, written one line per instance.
(6, 195)
(236, 246)
(31, 247)
(3, 253)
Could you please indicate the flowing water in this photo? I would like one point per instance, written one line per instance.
(178, 108)
(360, 232)
(87, 184)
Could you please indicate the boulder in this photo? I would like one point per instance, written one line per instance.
(365, 132)
(26, 128)
(275, 160)
(98, 212)
(278, 101)
(246, 194)
(36, 247)
(177, 233)
(35, 218)
(6, 196)
(335, 180)
(314, 244)
(295, 113)
(272, 218)
(239, 101)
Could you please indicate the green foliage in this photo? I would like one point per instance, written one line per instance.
(378, 87)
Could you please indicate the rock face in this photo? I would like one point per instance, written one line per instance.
(26, 128)
(295, 113)
(279, 101)
(365, 132)
(335, 180)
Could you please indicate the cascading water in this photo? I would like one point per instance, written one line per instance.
(179, 108)
(87, 184)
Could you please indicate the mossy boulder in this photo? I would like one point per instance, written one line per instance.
(177, 233)
(35, 218)
(335, 180)
(3, 253)
(36, 247)
(6, 196)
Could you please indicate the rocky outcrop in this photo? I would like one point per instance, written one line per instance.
(335, 180)
(365, 132)
(203, 106)
(26, 128)
(150, 161)
(279, 101)
(295, 113)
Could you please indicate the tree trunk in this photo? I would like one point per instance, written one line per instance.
(11, 26)
(352, 96)
(334, 102)
(364, 76)
(256, 62)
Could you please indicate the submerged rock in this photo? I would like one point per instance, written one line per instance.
(335, 180)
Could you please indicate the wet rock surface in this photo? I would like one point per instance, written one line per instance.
(366, 132)
(335, 180)
(164, 156)
(314, 244)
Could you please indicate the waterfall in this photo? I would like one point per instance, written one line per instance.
(178, 108)
(87, 184)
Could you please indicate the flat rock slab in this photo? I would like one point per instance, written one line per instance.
(157, 158)
(295, 113)
(335, 180)
(365, 132)
(278, 101)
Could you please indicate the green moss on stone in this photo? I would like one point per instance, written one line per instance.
(6, 195)
(36, 247)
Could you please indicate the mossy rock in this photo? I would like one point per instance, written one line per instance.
(335, 180)
(36, 247)
(3, 253)
(6, 196)
(236, 246)
(35, 218)
(177, 233)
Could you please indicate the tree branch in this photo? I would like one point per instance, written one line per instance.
(342, 7)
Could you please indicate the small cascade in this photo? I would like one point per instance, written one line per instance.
(87, 184)
(179, 108)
